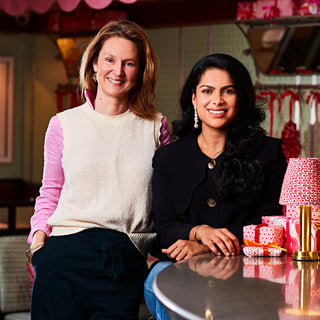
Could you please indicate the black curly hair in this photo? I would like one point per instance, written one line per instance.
(239, 171)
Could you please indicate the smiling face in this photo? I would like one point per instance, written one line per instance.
(117, 68)
(215, 99)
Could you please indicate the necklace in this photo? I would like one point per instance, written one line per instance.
(206, 149)
(212, 163)
(217, 153)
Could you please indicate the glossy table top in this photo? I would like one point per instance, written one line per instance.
(240, 287)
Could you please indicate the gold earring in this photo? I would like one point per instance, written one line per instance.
(94, 77)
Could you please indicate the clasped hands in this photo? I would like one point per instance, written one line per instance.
(216, 240)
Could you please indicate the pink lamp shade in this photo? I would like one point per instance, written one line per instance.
(301, 184)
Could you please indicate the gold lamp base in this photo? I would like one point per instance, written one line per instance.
(305, 255)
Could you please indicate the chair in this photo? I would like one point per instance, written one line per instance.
(15, 290)
(15, 285)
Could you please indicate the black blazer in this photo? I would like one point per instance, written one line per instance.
(180, 200)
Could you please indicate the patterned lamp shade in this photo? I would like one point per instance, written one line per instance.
(301, 184)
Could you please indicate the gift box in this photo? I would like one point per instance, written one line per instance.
(292, 235)
(293, 211)
(264, 234)
(274, 220)
(252, 251)
(309, 7)
(246, 10)
(291, 240)
(268, 9)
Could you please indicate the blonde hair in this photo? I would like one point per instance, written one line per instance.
(142, 94)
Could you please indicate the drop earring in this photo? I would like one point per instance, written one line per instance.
(196, 125)
(94, 77)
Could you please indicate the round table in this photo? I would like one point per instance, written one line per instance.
(240, 287)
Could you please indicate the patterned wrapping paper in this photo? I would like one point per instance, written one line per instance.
(293, 235)
(293, 211)
(261, 251)
(246, 10)
(265, 8)
(292, 232)
(264, 234)
(309, 7)
(277, 221)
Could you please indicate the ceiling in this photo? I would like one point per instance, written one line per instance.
(147, 13)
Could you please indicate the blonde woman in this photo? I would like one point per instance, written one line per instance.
(92, 228)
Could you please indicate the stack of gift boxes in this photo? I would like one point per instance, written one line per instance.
(268, 9)
(263, 239)
(283, 230)
(291, 226)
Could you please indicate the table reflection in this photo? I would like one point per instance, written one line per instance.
(240, 287)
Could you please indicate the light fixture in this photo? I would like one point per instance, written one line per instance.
(301, 186)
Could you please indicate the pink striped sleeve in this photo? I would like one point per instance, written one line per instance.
(165, 132)
(53, 179)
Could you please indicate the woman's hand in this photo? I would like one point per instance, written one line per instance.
(184, 249)
(38, 240)
(218, 240)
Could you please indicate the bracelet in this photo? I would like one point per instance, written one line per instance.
(195, 232)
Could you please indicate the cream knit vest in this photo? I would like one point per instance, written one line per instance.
(107, 164)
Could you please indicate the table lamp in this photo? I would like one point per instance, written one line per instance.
(301, 186)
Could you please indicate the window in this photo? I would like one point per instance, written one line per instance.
(6, 108)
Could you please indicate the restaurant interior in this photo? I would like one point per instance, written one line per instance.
(41, 43)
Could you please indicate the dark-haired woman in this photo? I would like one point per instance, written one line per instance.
(221, 174)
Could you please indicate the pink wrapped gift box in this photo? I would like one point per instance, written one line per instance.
(309, 7)
(264, 234)
(268, 9)
(274, 220)
(261, 251)
(292, 232)
(293, 211)
(246, 10)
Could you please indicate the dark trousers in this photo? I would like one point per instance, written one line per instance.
(94, 274)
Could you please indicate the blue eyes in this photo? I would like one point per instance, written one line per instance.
(127, 64)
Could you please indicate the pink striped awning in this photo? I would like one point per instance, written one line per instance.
(19, 7)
